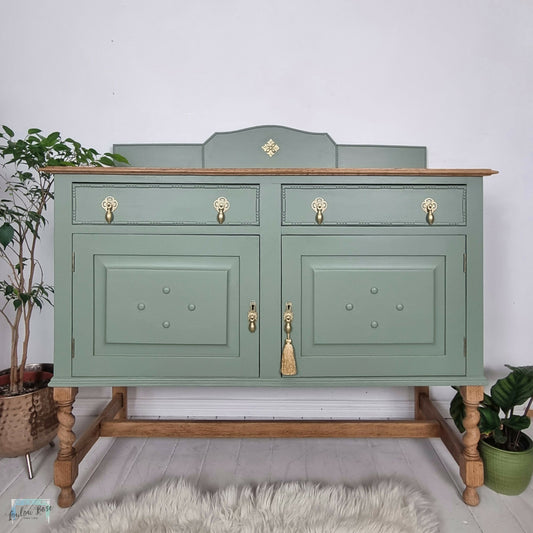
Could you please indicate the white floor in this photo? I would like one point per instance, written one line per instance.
(115, 467)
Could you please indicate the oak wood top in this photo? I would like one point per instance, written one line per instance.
(145, 171)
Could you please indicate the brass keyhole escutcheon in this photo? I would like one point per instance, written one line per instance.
(429, 206)
(252, 317)
(288, 317)
(319, 205)
(221, 204)
(109, 204)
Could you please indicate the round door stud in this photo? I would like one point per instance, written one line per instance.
(191, 307)
(399, 307)
(374, 290)
(349, 307)
(166, 324)
(374, 324)
(141, 306)
(166, 290)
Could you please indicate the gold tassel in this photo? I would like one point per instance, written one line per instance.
(288, 361)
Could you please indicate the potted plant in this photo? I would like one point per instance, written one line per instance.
(507, 452)
(27, 409)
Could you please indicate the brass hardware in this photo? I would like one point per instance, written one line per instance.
(252, 317)
(429, 206)
(288, 317)
(221, 204)
(109, 204)
(319, 205)
(270, 147)
(288, 361)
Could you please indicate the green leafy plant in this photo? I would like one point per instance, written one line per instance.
(27, 190)
(498, 422)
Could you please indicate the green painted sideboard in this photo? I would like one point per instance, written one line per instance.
(179, 270)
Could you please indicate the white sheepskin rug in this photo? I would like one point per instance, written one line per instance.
(177, 506)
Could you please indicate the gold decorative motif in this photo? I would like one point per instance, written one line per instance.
(319, 205)
(429, 206)
(221, 204)
(270, 147)
(109, 205)
(252, 317)
(288, 361)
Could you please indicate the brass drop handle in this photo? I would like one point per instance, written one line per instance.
(221, 204)
(288, 361)
(429, 206)
(252, 317)
(319, 205)
(109, 204)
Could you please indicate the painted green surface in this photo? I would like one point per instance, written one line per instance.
(376, 305)
(296, 148)
(164, 305)
(352, 156)
(269, 250)
(160, 203)
(375, 205)
(162, 155)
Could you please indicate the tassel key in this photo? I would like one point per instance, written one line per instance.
(288, 360)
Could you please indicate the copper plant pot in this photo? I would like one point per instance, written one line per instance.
(28, 421)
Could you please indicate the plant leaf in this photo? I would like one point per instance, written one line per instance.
(512, 390)
(106, 161)
(51, 139)
(6, 234)
(499, 436)
(525, 370)
(517, 422)
(489, 421)
(120, 158)
(9, 131)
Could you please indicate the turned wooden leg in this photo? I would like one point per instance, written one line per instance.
(66, 464)
(123, 413)
(471, 464)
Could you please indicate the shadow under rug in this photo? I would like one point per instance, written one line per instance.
(176, 505)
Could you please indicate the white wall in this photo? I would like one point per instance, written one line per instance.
(454, 75)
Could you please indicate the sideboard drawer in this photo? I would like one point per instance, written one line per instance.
(387, 205)
(165, 204)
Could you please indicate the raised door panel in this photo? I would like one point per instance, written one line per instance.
(376, 306)
(165, 305)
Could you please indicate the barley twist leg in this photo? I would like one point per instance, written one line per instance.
(471, 464)
(66, 465)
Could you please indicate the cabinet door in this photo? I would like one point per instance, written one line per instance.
(165, 305)
(376, 305)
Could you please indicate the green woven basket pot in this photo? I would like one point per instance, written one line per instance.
(507, 472)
